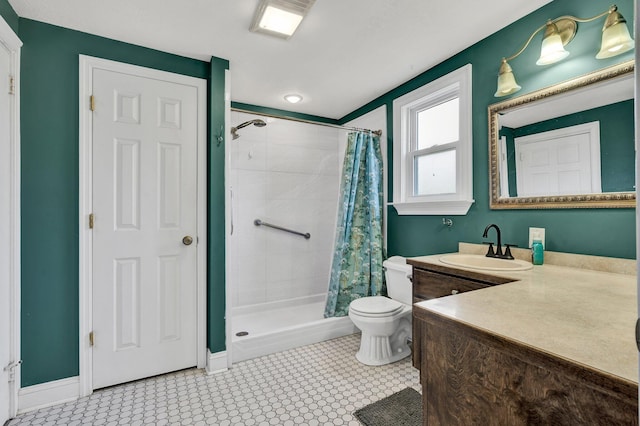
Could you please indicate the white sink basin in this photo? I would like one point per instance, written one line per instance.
(477, 261)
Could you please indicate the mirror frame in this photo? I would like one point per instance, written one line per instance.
(603, 200)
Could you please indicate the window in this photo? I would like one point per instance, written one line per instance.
(432, 147)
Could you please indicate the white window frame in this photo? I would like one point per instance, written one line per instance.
(456, 83)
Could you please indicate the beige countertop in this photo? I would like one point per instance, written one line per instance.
(586, 316)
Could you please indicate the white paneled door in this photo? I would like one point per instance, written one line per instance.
(144, 242)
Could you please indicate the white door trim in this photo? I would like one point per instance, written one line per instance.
(228, 200)
(9, 39)
(87, 65)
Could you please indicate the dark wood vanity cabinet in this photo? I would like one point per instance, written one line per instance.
(470, 376)
(432, 281)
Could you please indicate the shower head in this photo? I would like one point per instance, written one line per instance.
(256, 122)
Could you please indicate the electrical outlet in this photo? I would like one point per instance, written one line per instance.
(540, 232)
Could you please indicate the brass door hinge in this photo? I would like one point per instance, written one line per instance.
(91, 221)
(12, 85)
(91, 338)
(92, 103)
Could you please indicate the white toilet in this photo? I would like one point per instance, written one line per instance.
(385, 322)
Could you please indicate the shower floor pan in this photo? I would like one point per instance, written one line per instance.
(278, 326)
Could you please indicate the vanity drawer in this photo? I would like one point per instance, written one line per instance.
(429, 285)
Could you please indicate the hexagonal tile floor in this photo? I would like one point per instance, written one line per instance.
(319, 384)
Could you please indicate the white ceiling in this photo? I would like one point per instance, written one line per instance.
(345, 53)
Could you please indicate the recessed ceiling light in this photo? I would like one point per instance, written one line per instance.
(279, 18)
(293, 98)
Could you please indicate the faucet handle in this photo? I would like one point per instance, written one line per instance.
(507, 252)
(490, 252)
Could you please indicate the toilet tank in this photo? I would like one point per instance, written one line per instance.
(398, 284)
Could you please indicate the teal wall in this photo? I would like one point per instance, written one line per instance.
(604, 232)
(9, 15)
(215, 202)
(49, 133)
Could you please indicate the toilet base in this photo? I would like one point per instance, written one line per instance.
(381, 350)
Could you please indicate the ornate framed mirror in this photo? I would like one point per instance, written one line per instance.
(570, 145)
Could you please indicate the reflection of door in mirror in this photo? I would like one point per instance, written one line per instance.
(563, 155)
(559, 162)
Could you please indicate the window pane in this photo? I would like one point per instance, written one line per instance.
(435, 173)
(439, 124)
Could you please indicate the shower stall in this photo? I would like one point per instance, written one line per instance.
(284, 176)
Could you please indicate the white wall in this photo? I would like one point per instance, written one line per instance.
(286, 173)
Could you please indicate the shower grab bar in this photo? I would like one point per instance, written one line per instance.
(258, 222)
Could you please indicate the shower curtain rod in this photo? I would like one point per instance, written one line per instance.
(302, 120)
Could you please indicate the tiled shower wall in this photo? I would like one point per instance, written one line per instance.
(288, 174)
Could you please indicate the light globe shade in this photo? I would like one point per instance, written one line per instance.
(615, 40)
(552, 50)
(506, 81)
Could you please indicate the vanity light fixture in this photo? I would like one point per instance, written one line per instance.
(552, 46)
(557, 34)
(293, 98)
(279, 18)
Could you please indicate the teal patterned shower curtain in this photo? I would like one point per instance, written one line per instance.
(357, 261)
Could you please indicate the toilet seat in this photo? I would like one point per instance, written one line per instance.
(375, 306)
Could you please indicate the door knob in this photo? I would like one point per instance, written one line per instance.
(187, 240)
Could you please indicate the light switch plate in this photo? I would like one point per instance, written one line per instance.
(539, 231)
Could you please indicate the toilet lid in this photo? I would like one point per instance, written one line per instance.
(376, 305)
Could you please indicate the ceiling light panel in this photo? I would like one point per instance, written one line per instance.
(279, 18)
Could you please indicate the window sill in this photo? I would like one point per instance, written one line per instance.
(459, 207)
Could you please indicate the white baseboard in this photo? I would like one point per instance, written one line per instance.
(216, 362)
(48, 394)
